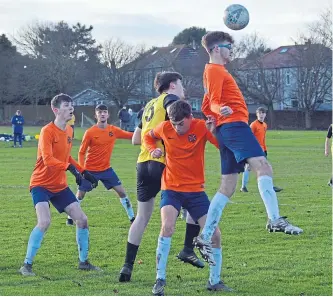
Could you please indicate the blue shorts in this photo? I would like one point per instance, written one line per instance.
(59, 200)
(196, 203)
(237, 143)
(108, 177)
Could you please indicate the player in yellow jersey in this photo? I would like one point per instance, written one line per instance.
(149, 173)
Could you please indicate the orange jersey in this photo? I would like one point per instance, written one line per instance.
(221, 90)
(259, 130)
(184, 170)
(53, 158)
(98, 143)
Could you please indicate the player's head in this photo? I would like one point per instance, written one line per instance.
(101, 113)
(261, 113)
(169, 82)
(18, 112)
(218, 44)
(62, 106)
(180, 115)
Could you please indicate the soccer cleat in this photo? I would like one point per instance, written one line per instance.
(26, 270)
(220, 286)
(69, 222)
(205, 249)
(330, 184)
(277, 189)
(282, 225)
(132, 220)
(244, 189)
(125, 273)
(190, 258)
(158, 289)
(86, 265)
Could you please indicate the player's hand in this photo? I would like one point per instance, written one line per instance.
(89, 177)
(226, 111)
(326, 153)
(78, 176)
(156, 153)
(211, 123)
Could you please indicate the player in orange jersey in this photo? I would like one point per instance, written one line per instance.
(94, 155)
(183, 184)
(49, 183)
(259, 128)
(237, 143)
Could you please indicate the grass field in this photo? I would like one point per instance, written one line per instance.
(255, 262)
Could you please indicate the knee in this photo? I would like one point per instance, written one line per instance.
(264, 168)
(227, 189)
(44, 224)
(167, 230)
(82, 222)
(216, 238)
(141, 220)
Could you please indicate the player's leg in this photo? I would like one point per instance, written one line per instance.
(67, 202)
(187, 254)
(20, 139)
(40, 198)
(171, 203)
(148, 185)
(198, 206)
(15, 139)
(111, 181)
(276, 189)
(245, 178)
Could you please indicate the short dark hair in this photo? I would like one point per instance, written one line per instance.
(163, 79)
(58, 99)
(179, 110)
(262, 109)
(101, 107)
(211, 38)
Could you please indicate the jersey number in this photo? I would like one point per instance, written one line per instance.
(149, 114)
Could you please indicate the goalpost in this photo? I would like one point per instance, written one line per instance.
(86, 122)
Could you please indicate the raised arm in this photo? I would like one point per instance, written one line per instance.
(123, 134)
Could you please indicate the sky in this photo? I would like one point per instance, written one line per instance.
(156, 22)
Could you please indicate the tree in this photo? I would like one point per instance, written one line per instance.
(189, 36)
(121, 77)
(258, 84)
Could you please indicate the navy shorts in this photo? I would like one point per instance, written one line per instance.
(59, 200)
(196, 203)
(237, 143)
(108, 177)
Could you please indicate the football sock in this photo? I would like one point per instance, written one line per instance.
(162, 253)
(82, 239)
(215, 271)
(268, 195)
(191, 232)
(215, 210)
(131, 252)
(245, 178)
(35, 240)
(126, 203)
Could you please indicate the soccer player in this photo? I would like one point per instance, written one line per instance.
(48, 183)
(259, 128)
(94, 155)
(183, 181)
(149, 173)
(237, 143)
(327, 148)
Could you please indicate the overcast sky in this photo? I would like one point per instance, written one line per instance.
(156, 22)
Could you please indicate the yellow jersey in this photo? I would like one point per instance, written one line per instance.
(72, 121)
(153, 114)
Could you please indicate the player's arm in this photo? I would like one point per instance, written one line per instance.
(83, 148)
(211, 138)
(136, 139)
(123, 134)
(327, 140)
(205, 108)
(150, 139)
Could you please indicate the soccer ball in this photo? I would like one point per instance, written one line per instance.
(236, 17)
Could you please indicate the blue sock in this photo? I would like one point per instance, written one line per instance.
(82, 239)
(216, 207)
(215, 271)
(34, 243)
(126, 203)
(245, 179)
(268, 195)
(162, 253)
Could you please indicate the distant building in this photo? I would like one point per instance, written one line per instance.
(89, 97)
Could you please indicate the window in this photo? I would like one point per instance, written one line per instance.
(294, 103)
(288, 79)
(173, 50)
(154, 52)
(284, 50)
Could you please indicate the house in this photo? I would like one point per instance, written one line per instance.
(89, 97)
(286, 73)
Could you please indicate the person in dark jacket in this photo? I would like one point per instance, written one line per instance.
(17, 123)
(124, 118)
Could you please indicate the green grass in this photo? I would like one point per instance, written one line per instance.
(255, 262)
